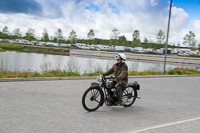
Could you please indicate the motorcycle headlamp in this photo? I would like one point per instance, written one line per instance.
(99, 78)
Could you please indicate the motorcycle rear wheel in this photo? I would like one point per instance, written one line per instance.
(92, 99)
(129, 96)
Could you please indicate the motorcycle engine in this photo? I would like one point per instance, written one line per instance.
(110, 84)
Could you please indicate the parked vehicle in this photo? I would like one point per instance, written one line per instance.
(80, 45)
(159, 51)
(87, 46)
(55, 44)
(75, 45)
(141, 51)
(184, 53)
(47, 43)
(11, 41)
(42, 43)
(120, 48)
(34, 42)
(174, 51)
(168, 51)
(128, 49)
(26, 42)
(138, 49)
(20, 41)
(99, 46)
(93, 46)
(106, 47)
(97, 94)
(65, 45)
(193, 52)
(150, 50)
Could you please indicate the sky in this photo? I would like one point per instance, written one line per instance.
(147, 16)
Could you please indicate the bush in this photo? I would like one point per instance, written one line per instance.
(36, 74)
(182, 71)
(171, 72)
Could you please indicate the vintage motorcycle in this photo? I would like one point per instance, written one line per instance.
(103, 91)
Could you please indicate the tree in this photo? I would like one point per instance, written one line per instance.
(146, 40)
(136, 35)
(122, 40)
(136, 38)
(4, 34)
(17, 33)
(30, 34)
(94, 41)
(5, 30)
(190, 39)
(59, 35)
(73, 37)
(199, 47)
(55, 40)
(45, 34)
(90, 35)
(115, 34)
(178, 44)
(160, 37)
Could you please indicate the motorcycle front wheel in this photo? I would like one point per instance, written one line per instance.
(92, 99)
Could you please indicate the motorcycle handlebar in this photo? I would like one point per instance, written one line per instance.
(111, 77)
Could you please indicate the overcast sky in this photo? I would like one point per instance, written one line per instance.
(147, 16)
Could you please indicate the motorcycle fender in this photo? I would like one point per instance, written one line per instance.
(135, 85)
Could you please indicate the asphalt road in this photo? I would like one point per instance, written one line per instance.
(167, 105)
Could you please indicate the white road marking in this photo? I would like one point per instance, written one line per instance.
(164, 125)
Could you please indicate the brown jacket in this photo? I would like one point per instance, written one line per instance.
(120, 71)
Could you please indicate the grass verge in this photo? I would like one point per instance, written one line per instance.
(35, 49)
(1, 50)
(64, 73)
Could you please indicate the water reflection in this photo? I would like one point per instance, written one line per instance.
(16, 61)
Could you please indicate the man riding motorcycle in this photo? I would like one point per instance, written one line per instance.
(120, 69)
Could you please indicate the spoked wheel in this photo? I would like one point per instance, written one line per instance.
(129, 96)
(92, 99)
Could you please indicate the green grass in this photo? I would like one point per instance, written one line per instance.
(48, 49)
(36, 74)
(91, 74)
(76, 74)
(1, 50)
(8, 46)
(21, 48)
(134, 73)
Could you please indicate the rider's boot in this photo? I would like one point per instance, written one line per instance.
(119, 94)
(109, 103)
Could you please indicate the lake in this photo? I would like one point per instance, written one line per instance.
(16, 61)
